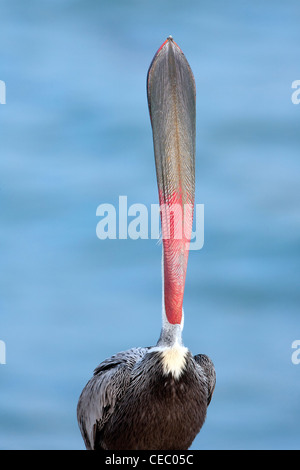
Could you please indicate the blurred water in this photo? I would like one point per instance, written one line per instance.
(75, 133)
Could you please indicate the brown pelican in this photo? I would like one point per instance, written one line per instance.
(156, 398)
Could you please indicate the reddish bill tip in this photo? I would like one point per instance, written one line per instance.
(169, 39)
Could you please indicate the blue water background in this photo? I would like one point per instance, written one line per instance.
(75, 133)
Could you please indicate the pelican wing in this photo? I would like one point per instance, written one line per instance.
(208, 369)
(98, 399)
